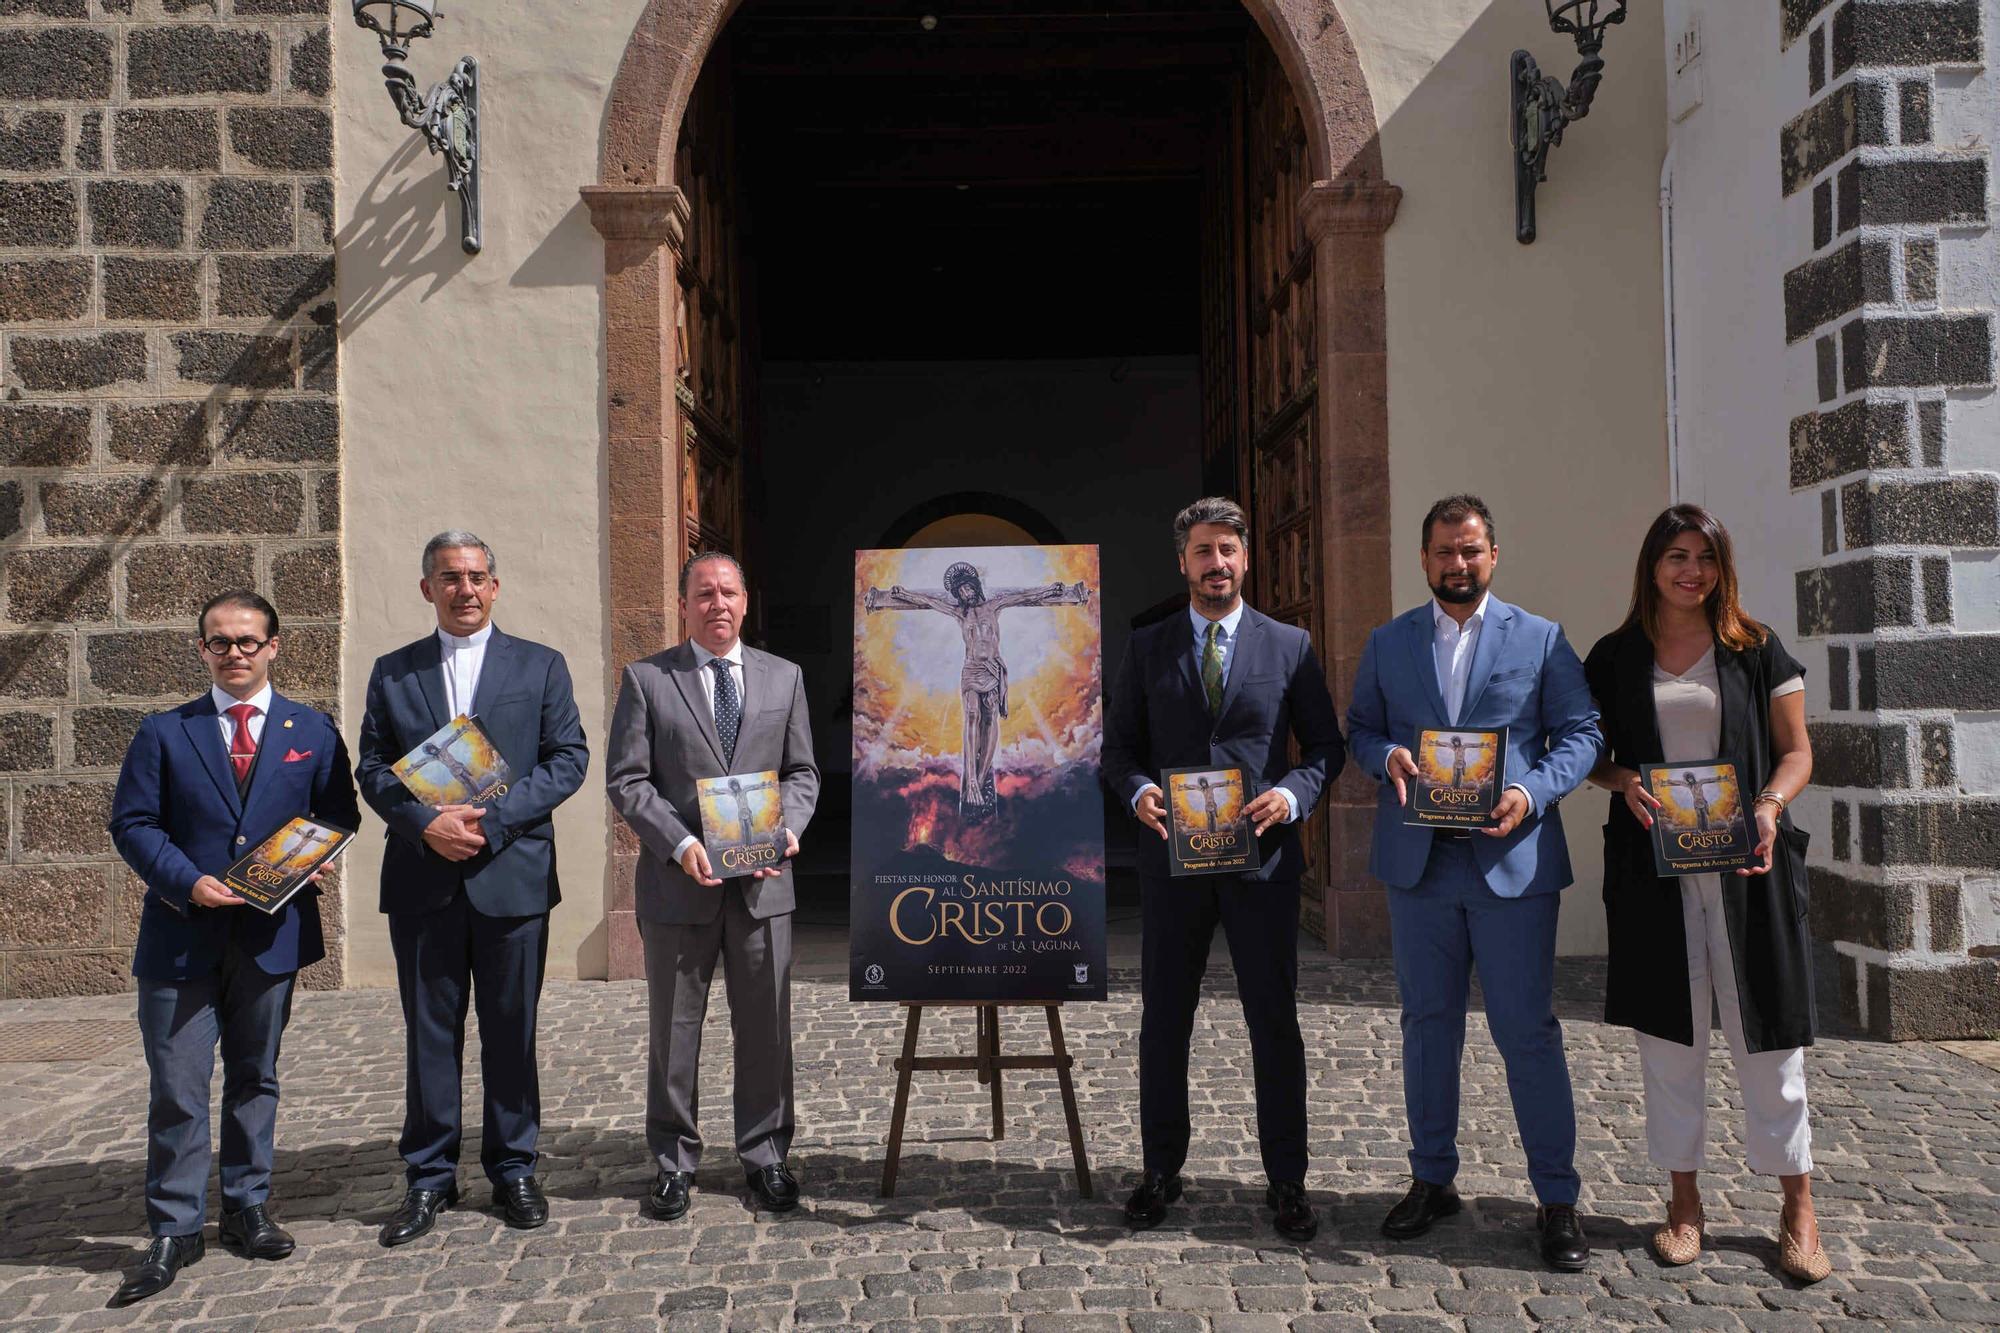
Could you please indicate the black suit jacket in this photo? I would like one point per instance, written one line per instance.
(525, 703)
(1159, 720)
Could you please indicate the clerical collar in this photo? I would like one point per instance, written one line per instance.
(477, 639)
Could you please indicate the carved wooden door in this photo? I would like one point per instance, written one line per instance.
(710, 388)
(1258, 369)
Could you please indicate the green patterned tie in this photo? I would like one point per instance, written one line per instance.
(1211, 667)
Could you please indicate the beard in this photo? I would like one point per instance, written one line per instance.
(1471, 591)
(1216, 594)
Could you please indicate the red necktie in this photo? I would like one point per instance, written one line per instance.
(242, 746)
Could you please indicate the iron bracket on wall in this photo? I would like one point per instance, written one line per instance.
(1540, 108)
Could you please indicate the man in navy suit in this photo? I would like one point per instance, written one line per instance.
(1489, 898)
(201, 786)
(468, 888)
(1225, 686)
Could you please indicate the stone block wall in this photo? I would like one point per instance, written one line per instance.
(1894, 284)
(168, 419)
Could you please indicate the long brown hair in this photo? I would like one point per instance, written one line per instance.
(1733, 629)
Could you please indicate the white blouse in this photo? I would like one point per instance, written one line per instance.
(1689, 707)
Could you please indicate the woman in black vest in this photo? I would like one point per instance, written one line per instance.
(1690, 678)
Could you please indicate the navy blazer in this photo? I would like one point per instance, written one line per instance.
(525, 704)
(1159, 720)
(1524, 677)
(176, 816)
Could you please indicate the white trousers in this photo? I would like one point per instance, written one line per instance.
(1777, 1140)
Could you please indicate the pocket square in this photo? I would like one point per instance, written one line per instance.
(293, 756)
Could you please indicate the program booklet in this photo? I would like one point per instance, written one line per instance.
(1702, 827)
(1460, 777)
(1210, 834)
(278, 867)
(457, 765)
(742, 823)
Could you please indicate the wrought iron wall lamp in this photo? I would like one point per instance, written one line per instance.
(448, 115)
(1541, 107)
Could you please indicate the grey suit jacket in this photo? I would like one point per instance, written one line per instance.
(663, 740)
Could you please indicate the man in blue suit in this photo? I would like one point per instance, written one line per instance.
(201, 786)
(1226, 686)
(1488, 899)
(468, 888)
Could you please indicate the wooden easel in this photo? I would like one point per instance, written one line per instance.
(988, 1064)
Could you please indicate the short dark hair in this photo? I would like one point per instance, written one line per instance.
(1456, 509)
(702, 558)
(1210, 509)
(245, 598)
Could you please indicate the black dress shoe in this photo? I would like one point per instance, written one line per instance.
(1148, 1205)
(166, 1256)
(417, 1214)
(1563, 1246)
(522, 1203)
(1423, 1205)
(775, 1188)
(668, 1199)
(252, 1234)
(1296, 1219)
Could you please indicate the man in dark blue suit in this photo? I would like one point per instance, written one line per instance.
(201, 786)
(1489, 898)
(468, 888)
(1225, 686)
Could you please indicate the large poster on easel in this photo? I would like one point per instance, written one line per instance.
(978, 864)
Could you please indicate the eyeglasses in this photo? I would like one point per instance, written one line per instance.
(249, 647)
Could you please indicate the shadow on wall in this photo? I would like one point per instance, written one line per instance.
(569, 256)
(397, 238)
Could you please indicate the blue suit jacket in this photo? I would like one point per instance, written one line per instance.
(1525, 677)
(1159, 720)
(176, 816)
(525, 704)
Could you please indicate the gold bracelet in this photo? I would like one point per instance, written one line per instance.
(1771, 795)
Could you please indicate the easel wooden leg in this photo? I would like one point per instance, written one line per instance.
(905, 1067)
(1062, 1063)
(992, 1053)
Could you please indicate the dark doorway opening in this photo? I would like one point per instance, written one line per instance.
(971, 265)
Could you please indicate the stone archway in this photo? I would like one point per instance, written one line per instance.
(644, 219)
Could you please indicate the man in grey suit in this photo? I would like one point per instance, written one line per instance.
(709, 708)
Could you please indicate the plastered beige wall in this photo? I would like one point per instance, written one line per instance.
(472, 387)
(1530, 375)
(474, 397)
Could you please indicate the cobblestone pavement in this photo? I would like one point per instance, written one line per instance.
(992, 1235)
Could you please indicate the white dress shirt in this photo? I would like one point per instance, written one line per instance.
(463, 660)
(1452, 648)
(224, 701)
(702, 658)
(1226, 642)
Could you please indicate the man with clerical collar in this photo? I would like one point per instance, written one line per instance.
(468, 887)
(711, 708)
(201, 786)
(1487, 897)
(1222, 686)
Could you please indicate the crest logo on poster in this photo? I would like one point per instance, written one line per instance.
(1082, 974)
(874, 974)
